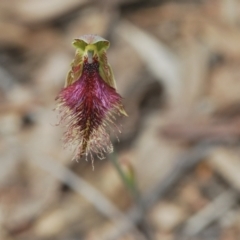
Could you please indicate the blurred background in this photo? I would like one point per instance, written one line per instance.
(176, 63)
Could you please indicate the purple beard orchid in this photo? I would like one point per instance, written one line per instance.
(89, 102)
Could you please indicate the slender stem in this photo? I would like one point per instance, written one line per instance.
(133, 189)
(131, 186)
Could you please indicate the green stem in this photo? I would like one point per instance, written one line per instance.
(131, 186)
(133, 189)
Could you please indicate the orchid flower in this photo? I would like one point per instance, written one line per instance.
(89, 103)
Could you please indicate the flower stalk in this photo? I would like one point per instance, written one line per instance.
(127, 176)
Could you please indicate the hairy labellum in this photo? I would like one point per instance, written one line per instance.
(89, 102)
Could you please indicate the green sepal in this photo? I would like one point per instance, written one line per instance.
(79, 44)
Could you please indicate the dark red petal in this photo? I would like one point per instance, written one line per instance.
(87, 108)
